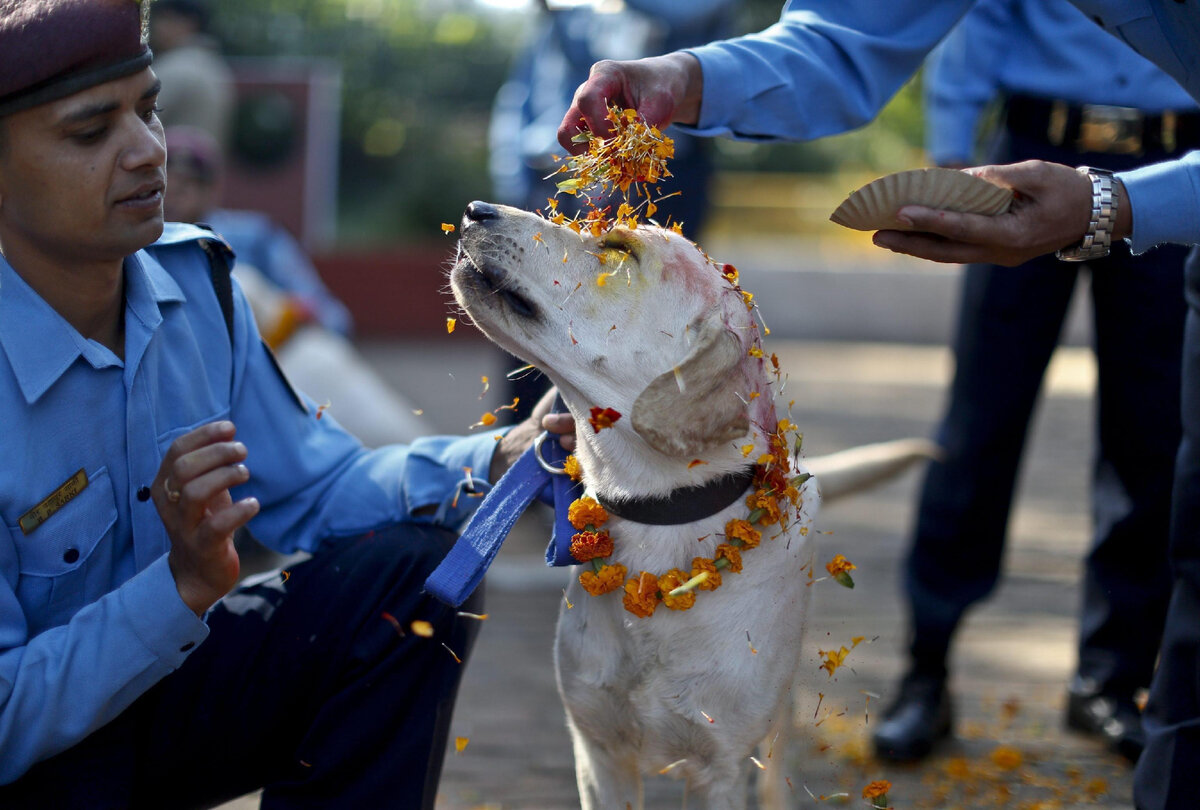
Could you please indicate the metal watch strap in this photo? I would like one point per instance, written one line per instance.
(1098, 239)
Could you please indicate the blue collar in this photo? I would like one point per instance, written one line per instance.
(41, 345)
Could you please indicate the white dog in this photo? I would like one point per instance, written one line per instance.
(643, 323)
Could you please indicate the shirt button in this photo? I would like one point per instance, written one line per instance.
(70, 555)
(143, 494)
(187, 646)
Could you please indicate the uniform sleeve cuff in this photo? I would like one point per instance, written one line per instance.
(450, 477)
(158, 615)
(1164, 199)
(720, 69)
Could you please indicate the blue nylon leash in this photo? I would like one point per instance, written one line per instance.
(460, 573)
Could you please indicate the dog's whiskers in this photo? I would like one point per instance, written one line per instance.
(521, 372)
(568, 298)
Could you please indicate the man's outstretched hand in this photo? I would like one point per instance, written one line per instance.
(663, 89)
(1051, 210)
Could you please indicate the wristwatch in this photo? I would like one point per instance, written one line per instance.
(1098, 239)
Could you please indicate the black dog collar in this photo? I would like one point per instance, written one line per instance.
(684, 505)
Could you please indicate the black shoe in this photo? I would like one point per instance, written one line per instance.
(919, 717)
(1115, 721)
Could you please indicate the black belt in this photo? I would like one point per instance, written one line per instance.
(1102, 128)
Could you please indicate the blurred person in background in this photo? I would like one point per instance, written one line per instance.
(566, 40)
(306, 326)
(198, 84)
(1070, 94)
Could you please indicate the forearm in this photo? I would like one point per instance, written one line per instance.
(65, 683)
(814, 74)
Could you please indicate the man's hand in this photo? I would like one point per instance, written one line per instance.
(517, 440)
(663, 89)
(1051, 210)
(191, 492)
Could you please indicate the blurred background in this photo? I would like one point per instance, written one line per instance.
(361, 125)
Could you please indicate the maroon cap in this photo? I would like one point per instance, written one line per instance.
(54, 48)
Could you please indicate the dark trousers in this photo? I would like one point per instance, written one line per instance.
(1009, 323)
(312, 685)
(1165, 776)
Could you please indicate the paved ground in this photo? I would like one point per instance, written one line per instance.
(1010, 668)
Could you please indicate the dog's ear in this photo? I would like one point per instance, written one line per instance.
(696, 405)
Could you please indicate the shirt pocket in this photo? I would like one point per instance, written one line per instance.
(67, 538)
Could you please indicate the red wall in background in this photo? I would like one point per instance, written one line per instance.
(392, 292)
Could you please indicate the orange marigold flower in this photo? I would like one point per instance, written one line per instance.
(642, 595)
(839, 569)
(877, 789)
(703, 565)
(742, 530)
(606, 580)
(771, 479)
(572, 468)
(584, 512)
(769, 505)
(728, 552)
(602, 418)
(839, 565)
(590, 545)
(669, 582)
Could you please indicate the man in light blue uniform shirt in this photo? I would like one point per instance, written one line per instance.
(829, 67)
(144, 422)
(1070, 94)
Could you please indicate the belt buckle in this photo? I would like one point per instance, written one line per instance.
(1111, 130)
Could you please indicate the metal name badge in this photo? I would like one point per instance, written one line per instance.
(56, 500)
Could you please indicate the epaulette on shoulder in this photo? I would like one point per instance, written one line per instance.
(219, 256)
(178, 233)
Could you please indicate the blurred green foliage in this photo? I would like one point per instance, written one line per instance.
(418, 79)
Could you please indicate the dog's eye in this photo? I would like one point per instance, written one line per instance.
(618, 246)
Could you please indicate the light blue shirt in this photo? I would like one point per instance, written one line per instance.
(829, 66)
(1042, 48)
(270, 249)
(89, 614)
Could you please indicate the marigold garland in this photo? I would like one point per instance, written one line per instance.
(775, 491)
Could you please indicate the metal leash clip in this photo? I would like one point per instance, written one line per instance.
(537, 453)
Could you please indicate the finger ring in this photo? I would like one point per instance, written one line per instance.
(173, 495)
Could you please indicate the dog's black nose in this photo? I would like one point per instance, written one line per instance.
(479, 211)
